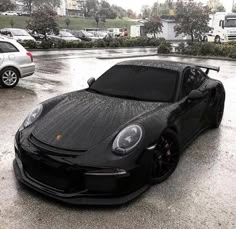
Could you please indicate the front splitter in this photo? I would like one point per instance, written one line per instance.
(76, 198)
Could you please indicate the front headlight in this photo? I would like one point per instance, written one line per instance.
(127, 140)
(33, 116)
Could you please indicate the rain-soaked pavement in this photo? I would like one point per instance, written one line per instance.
(200, 194)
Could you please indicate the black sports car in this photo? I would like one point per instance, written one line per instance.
(107, 144)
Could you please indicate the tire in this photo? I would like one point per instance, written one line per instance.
(217, 40)
(205, 39)
(219, 112)
(165, 157)
(9, 77)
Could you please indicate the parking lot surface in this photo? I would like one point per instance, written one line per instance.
(200, 194)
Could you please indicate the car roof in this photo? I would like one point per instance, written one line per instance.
(171, 65)
(12, 29)
(5, 38)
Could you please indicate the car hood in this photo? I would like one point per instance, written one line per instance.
(24, 38)
(84, 119)
(69, 38)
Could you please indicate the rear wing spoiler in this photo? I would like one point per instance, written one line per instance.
(208, 68)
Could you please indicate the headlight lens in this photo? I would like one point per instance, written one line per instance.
(33, 116)
(127, 139)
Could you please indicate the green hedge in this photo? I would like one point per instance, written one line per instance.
(195, 49)
(208, 49)
(104, 43)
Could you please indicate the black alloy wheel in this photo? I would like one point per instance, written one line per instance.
(165, 157)
(219, 113)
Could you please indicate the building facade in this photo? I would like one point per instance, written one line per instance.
(74, 7)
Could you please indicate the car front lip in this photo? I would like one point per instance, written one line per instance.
(80, 198)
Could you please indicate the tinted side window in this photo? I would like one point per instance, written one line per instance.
(193, 79)
(6, 47)
(6, 33)
(201, 77)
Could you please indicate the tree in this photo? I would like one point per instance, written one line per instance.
(97, 19)
(120, 12)
(28, 4)
(154, 12)
(146, 11)
(163, 8)
(131, 14)
(90, 8)
(67, 22)
(105, 11)
(220, 8)
(12, 22)
(51, 3)
(153, 26)
(43, 21)
(192, 19)
(234, 9)
(215, 6)
(6, 5)
(35, 4)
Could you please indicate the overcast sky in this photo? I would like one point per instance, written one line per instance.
(137, 4)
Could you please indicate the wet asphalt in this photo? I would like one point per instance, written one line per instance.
(200, 194)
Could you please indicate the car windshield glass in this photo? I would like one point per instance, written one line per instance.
(230, 22)
(138, 82)
(65, 34)
(87, 34)
(19, 32)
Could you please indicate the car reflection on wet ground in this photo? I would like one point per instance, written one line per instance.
(200, 194)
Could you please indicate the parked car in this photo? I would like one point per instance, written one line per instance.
(109, 143)
(63, 36)
(85, 36)
(15, 62)
(98, 32)
(10, 13)
(37, 36)
(24, 13)
(19, 35)
(116, 32)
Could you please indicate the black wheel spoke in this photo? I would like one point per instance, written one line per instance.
(165, 158)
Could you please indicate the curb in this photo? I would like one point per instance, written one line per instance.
(102, 48)
(166, 55)
(123, 57)
(199, 57)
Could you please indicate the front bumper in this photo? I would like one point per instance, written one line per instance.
(76, 198)
(90, 189)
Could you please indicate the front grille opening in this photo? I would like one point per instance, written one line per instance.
(61, 177)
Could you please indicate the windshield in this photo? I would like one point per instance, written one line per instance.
(19, 32)
(65, 34)
(138, 82)
(230, 22)
(87, 34)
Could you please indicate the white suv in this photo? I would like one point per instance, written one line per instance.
(15, 62)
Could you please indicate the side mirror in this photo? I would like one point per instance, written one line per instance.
(195, 94)
(90, 81)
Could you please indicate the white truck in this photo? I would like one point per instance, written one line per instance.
(223, 27)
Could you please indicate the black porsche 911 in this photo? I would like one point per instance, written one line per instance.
(107, 144)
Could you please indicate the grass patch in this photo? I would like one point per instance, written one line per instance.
(76, 23)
